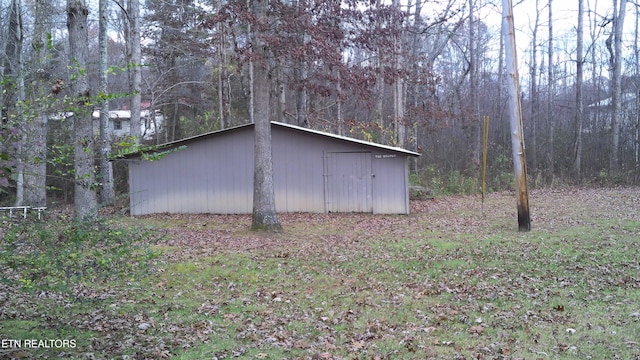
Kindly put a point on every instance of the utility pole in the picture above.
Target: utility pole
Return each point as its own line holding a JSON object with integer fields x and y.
{"x": 515, "y": 116}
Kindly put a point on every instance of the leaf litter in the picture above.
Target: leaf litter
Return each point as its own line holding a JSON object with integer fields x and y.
{"x": 447, "y": 281}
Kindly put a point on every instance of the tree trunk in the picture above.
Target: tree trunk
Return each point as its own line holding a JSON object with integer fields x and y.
{"x": 398, "y": 85}
{"x": 301, "y": 94}
{"x": 616, "y": 85}
{"x": 378, "y": 115}
{"x": 577, "y": 165}
{"x": 84, "y": 195}
{"x": 3, "y": 47}
{"x": 15, "y": 71}
{"x": 106, "y": 170}
{"x": 264, "y": 206}
{"x": 533, "y": 97}
{"x": 339, "y": 114}
{"x": 636, "y": 58}
{"x": 417, "y": 26}
{"x": 35, "y": 175}
{"x": 300, "y": 76}
{"x": 473, "y": 82}
{"x": 135, "y": 63}
{"x": 550, "y": 94}
{"x": 515, "y": 117}
{"x": 222, "y": 70}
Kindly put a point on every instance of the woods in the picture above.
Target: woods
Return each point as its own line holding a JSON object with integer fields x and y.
{"x": 419, "y": 75}
{"x": 146, "y": 146}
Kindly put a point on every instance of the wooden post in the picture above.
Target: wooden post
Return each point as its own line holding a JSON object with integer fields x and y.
{"x": 485, "y": 148}
{"x": 515, "y": 117}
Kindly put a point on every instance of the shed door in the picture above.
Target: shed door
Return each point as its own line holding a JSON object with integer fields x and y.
{"x": 348, "y": 182}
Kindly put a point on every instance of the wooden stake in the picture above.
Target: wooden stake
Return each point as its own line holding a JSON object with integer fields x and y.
{"x": 485, "y": 146}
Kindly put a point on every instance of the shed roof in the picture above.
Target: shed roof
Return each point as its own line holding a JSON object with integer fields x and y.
{"x": 188, "y": 140}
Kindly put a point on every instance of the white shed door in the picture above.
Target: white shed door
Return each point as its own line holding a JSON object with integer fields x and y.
{"x": 348, "y": 182}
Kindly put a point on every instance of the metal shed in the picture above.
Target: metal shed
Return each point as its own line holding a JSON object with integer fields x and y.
{"x": 314, "y": 171}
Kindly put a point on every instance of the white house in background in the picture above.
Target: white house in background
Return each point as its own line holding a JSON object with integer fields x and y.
{"x": 120, "y": 123}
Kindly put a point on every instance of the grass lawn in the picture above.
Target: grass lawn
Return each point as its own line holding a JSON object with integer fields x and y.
{"x": 449, "y": 281}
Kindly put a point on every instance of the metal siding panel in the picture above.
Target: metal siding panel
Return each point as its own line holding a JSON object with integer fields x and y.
{"x": 160, "y": 195}
{"x": 390, "y": 189}
{"x": 237, "y": 190}
{"x": 215, "y": 175}
{"x": 232, "y": 181}
{"x": 156, "y": 183}
{"x": 281, "y": 158}
{"x": 181, "y": 179}
{"x": 142, "y": 193}
{"x": 243, "y": 173}
{"x": 173, "y": 167}
{"x": 137, "y": 203}
{"x": 298, "y": 171}
{"x": 349, "y": 186}
{"x": 198, "y": 181}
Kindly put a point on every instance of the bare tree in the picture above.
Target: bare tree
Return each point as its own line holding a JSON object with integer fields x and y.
{"x": 615, "y": 53}
{"x": 221, "y": 72}
{"x": 473, "y": 82}
{"x": 84, "y": 195}
{"x": 3, "y": 45}
{"x": 533, "y": 92}
{"x": 106, "y": 170}
{"x": 579, "y": 96}
{"x": 135, "y": 63}
{"x": 636, "y": 59}
{"x": 300, "y": 76}
{"x": 399, "y": 125}
{"x": 14, "y": 71}
{"x": 35, "y": 174}
{"x": 550, "y": 94}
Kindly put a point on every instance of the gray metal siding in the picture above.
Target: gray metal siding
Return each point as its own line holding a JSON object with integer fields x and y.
{"x": 207, "y": 177}
{"x": 298, "y": 171}
{"x": 348, "y": 182}
{"x": 391, "y": 181}
{"x": 215, "y": 175}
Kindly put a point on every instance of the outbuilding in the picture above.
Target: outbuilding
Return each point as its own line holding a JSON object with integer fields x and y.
{"x": 314, "y": 171}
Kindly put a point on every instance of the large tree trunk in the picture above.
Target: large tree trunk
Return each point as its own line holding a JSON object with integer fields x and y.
{"x": 264, "y": 205}
{"x": 515, "y": 117}
{"x": 84, "y": 195}
{"x": 14, "y": 71}
{"x": 35, "y": 165}
{"x": 106, "y": 170}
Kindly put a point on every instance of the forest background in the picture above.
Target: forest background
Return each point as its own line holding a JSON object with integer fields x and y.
{"x": 420, "y": 75}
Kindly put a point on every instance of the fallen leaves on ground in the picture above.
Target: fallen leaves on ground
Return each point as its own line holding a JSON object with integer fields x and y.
{"x": 456, "y": 301}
